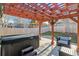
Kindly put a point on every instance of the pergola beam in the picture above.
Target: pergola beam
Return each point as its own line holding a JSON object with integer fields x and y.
{"x": 40, "y": 10}
{"x": 24, "y": 14}
{"x": 43, "y": 16}
{"x": 73, "y": 19}
{"x": 67, "y": 16}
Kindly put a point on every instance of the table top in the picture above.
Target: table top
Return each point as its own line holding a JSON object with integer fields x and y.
{"x": 68, "y": 50}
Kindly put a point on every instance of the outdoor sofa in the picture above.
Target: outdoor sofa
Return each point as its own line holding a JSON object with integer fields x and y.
{"x": 63, "y": 41}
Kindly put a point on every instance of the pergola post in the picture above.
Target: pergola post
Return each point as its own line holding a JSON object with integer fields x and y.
{"x": 52, "y": 34}
{"x": 40, "y": 24}
{"x": 78, "y": 36}
{"x": 52, "y": 29}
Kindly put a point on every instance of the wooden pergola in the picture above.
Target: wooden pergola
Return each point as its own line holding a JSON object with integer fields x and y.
{"x": 42, "y": 12}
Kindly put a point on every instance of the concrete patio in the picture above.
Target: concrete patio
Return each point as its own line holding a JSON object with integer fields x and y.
{"x": 46, "y": 49}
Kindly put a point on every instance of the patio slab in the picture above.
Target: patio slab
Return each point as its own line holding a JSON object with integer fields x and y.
{"x": 51, "y": 50}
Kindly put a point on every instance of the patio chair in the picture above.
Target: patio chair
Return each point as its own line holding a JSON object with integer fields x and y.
{"x": 63, "y": 41}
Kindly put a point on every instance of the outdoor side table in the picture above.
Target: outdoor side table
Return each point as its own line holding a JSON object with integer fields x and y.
{"x": 64, "y": 51}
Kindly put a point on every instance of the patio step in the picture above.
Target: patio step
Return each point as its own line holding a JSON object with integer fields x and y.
{"x": 28, "y": 51}
{"x": 33, "y": 53}
{"x": 40, "y": 50}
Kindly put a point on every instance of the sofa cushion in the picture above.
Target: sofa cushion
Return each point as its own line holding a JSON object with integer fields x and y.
{"x": 63, "y": 42}
{"x": 65, "y": 38}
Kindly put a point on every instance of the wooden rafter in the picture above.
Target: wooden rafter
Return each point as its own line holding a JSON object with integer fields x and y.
{"x": 23, "y": 13}
{"x": 68, "y": 16}
{"x": 43, "y": 12}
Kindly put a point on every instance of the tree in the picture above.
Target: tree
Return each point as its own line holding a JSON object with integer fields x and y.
{"x": 33, "y": 23}
{"x": 1, "y": 8}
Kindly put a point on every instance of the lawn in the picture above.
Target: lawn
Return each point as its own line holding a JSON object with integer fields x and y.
{"x": 73, "y": 35}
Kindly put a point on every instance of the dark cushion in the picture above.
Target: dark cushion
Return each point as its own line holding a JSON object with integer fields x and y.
{"x": 63, "y": 42}
{"x": 65, "y": 38}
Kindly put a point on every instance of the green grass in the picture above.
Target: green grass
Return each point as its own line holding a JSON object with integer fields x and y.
{"x": 56, "y": 34}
